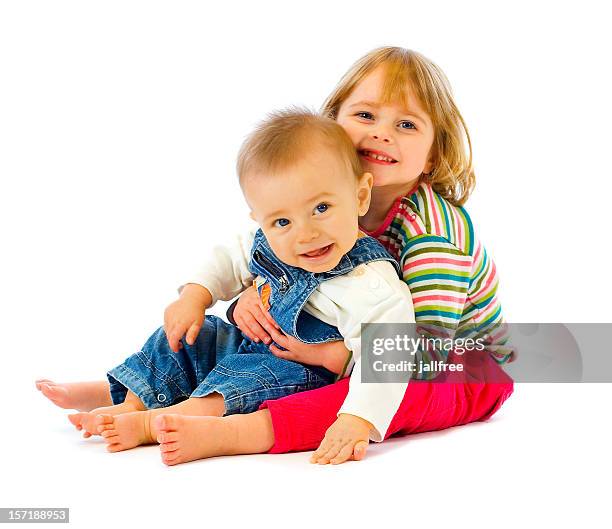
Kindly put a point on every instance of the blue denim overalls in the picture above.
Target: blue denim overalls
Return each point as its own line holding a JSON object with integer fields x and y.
{"x": 224, "y": 361}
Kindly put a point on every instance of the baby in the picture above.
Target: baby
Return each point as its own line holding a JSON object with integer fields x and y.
{"x": 319, "y": 277}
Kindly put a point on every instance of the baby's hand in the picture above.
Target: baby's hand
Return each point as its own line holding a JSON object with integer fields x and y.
{"x": 346, "y": 439}
{"x": 252, "y": 318}
{"x": 186, "y": 315}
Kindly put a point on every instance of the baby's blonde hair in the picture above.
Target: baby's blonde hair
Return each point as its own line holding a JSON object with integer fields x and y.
{"x": 453, "y": 176}
{"x": 287, "y": 137}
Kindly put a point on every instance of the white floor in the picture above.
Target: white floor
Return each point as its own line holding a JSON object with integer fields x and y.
{"x": 543, "y": 459}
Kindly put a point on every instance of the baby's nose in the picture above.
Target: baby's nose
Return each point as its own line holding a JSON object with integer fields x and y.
{"x": 308, "y": 233}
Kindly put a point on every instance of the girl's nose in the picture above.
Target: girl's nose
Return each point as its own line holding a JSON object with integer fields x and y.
{"x": 381, "y": 135}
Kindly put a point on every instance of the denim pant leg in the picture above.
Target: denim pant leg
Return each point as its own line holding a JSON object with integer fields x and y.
{"x": 161, "y": 377}
{"x": 247, "y": 379}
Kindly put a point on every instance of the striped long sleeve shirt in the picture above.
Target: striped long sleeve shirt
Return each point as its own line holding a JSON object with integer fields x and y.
{"x": 452, "y": 279}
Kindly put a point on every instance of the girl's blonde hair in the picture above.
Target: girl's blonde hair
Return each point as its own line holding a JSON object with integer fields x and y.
{"x": 453, "y": 176}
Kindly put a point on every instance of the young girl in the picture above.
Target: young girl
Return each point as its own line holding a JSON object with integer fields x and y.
{"x": 398, "y": 110}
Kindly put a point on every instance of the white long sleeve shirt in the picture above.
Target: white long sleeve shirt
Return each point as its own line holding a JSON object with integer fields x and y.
{"x": 371, "y": 292}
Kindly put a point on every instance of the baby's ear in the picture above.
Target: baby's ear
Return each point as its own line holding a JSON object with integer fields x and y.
{"x": 364, "y": 192}
{"x": 367, "y": 179}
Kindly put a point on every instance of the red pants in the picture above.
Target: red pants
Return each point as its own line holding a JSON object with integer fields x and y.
{"x": 301, "y": 420}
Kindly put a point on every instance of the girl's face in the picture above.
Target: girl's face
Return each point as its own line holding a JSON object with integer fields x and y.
{"x": 393, "y": 142}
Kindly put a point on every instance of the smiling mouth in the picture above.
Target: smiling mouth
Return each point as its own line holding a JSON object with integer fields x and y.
{"x": 377, "y": 157}
{"x": 318, "y": 253}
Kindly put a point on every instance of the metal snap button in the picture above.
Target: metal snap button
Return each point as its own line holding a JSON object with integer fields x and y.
{"x": 161, "y": 397}
{"x": 359, "y": 271}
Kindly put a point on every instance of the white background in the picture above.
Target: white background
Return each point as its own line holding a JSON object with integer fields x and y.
{"x": 119, "y": 126}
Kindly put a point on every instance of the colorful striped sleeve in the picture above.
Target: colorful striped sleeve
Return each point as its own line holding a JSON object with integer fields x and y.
{"x": 438, "y": 275}
{"x": 482, "y": 316}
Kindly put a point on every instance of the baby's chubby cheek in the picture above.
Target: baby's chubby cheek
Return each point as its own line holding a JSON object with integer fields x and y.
{"x": 282, "y": 250}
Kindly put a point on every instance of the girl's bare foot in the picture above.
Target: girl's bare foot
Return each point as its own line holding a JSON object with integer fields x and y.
{"x": 82, "y": 396}
{"x": 125, "y": 431}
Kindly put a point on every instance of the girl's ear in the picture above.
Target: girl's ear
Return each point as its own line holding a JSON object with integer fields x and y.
{"x": 364, "y": 193}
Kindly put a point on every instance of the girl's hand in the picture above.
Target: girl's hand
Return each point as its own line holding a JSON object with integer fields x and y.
{"x": 252, "y": 318}
{"x": 331, "y": 355}
{"x": 346, "y": 439}
{"x": 186, "y": 315}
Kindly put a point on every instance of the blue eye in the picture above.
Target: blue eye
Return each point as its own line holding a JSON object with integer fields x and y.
{"x": 322, "y": 208}
{"x": 281, "y": 223}
{"x": 412, "y": 126}
{"x": 364, "y": 115}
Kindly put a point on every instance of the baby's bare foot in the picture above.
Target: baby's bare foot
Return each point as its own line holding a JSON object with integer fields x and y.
{"x": 84, "y": 421}
{"x": 82, "y": 396}
{"x": 125, "y": 431}
{"x": 87, "y": 420}
{"x": 185, "y": 438}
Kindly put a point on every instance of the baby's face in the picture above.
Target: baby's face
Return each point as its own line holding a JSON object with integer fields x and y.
{"x": 309, "y": 213}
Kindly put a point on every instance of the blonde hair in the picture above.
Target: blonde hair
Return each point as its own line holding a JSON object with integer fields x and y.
{"x": 453, "y": 176}
{"x": 286, "y": 138}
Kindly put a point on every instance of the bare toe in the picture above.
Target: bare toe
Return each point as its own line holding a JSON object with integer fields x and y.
{"x": 101, "y": 428}
{"x": 167, "y": 422}
{"x": 77, "y": 419}
{"x": 103, "y": 419}
{"x": 108, "y": 434}
{"x": 167, "y": 437}
{"x": 171, "y": 458}
{"x": 53, "y": 393}
{"x": 169, "y": 447}
{"x": 39, "y": 382}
